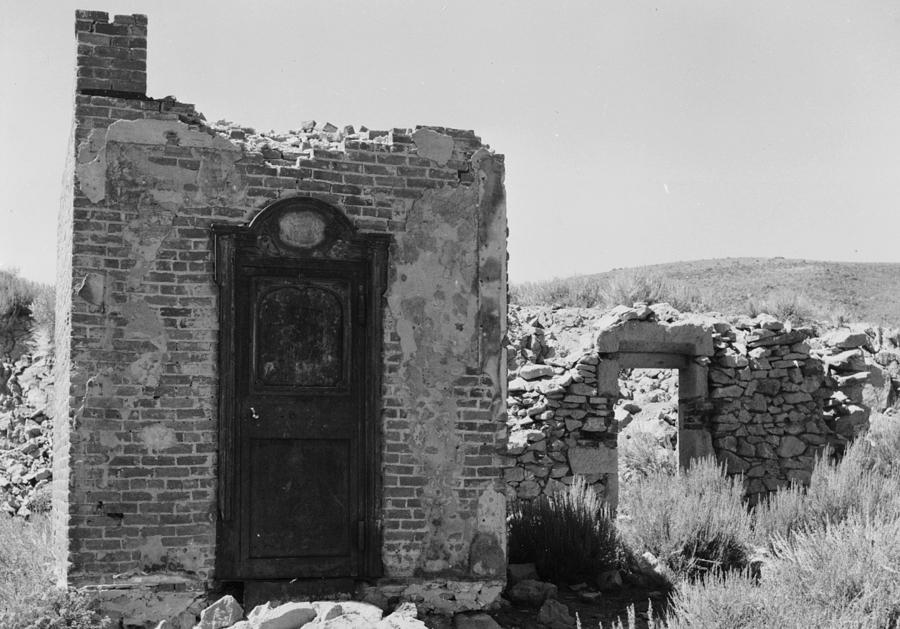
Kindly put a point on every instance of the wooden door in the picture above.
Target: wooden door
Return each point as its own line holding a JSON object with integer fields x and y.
{"x": 300, "y": 370}
{"x": 300, "y": 320}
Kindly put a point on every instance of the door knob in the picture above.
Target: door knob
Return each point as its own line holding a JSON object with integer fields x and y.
{"x": 253, "y": 414}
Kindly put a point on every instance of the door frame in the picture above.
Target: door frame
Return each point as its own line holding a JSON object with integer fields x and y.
{"x": 329, "y": 236}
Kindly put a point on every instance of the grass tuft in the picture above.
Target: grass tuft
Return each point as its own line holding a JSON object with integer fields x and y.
{"x": 28, "y": 597}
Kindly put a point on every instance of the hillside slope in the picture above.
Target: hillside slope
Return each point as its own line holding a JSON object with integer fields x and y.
{"x": 850, "y": 290}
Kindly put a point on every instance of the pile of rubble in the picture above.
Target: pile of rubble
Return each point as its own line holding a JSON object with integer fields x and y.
{"x": 227, "y": 613}
{"x": 25, "y": 434}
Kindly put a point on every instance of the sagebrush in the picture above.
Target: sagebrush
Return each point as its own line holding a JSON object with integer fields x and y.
{"x": 694, "y": 521}
{"x": 569, "y": 535}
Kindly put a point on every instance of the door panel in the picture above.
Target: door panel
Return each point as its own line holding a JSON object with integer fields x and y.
{"x": 300, "y": 498}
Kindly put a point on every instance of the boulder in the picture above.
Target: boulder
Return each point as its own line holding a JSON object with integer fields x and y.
{"x": 286, "y": 616}
{"x": 609, "y": 580}
{"x": 223, "y": 613}
{"x": 404, "y": 617}
{"x": 532, "y": 372}
{"x": 474, "y": 621}
{"x": 555, "y": 615}
{"x": 846, "y": 339}
{"x": 516, "y": 572}
{"x": 531, "y": 592}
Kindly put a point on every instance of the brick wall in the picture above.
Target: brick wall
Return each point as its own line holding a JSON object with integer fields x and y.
{"x": 111, "y": 56}
{"x": 141, "y": 435}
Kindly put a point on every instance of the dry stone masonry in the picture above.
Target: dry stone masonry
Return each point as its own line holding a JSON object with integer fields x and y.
{"x": 139, "y": 455}
{"x": 762, "y": 396}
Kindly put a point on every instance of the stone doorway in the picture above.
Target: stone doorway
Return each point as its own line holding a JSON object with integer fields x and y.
{"x": 685, "y": 348}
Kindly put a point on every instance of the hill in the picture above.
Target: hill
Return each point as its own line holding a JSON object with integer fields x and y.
{"x": 833, "y": 291}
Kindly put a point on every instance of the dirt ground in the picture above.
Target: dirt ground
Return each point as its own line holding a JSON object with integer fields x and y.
{"x": 606, "y": 609}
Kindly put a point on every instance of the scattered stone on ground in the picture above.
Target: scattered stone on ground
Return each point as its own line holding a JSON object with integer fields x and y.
{"x": 531, "y": 592}
{"x": 555, "y": 615}
{"x": 25, "y": 433}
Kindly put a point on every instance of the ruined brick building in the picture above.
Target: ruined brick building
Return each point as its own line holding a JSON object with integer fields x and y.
{"x": 278, "y": 359}
{"x": 282, "y": 362}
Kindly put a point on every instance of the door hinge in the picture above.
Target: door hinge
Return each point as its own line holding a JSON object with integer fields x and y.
{"x": 361, "y": 535}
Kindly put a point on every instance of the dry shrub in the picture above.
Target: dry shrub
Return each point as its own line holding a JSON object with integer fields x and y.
{"x": 836, "y": 575}
{"x": 28, "y": 597}
{"x": 569, "y": 535}
{"x": 573, "y": 292}
{"x": 693, "y": 522}
{"x": 16, "y": 293}
{"x": 864, "y": 482}
{"x": 641, "y": 455}
{"x": 624, "y": 288}
{"x": 629, "y": 287}
{"x": 784, "y": 306}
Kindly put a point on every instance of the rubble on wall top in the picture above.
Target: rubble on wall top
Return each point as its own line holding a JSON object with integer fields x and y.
{"x": 292, "y": 143}
{"x": 310, "y": 136}
{"x": 568, "y": 333}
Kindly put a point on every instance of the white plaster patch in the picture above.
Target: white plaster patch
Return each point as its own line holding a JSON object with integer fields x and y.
{"x": 93, "y": 289}
{"x": 492, "y": 512}
{"x": 161, "y": 132}
{"x": 407, "y": 337}
{"x": 90, "y": 169}
{"x": 433, "y": 145}
{"x": 157, "y": 437}
{"x": 152, "y": 552}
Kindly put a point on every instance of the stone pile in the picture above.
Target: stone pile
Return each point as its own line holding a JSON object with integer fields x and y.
{"x": 648, "y": 403}
{"x": 25, "y": 434}
{"x": 227, "y": 613}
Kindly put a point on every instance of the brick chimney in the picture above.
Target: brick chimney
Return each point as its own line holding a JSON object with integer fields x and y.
{"x": 112, "y": 57}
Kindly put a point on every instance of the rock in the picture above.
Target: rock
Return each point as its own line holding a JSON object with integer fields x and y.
{"x": 474, "y": 621}
{"x": 286, "y": 616}
{"x": 846, "y": 339}
{"x": 531, "y": 592}
{"x": 587, "y": 460}
{"x": 532, "y": 372}
{"x": 529, "y": 489}
{"x": 609, "y": 580}
{"x": 404, "y": 617}
{"x": 848, "y": 360}
{"x": 590, "y": 597}
{"x": 791, "y": 447}
{"x": 362, "y": 612}
{"x": 555, "y": 615}
{"x": 223, "y": 613}
{"x": 516, "y": 572}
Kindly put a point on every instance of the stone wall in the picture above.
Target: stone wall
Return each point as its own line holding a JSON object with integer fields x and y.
{"x": 136, "y": 452}
{"x": 762, "y": 396}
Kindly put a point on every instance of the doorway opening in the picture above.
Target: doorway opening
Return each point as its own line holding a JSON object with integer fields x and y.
{"x": 646, "y": 416}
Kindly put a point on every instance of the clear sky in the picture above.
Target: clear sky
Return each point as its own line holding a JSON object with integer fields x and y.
{"x": 635, "y": 132}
